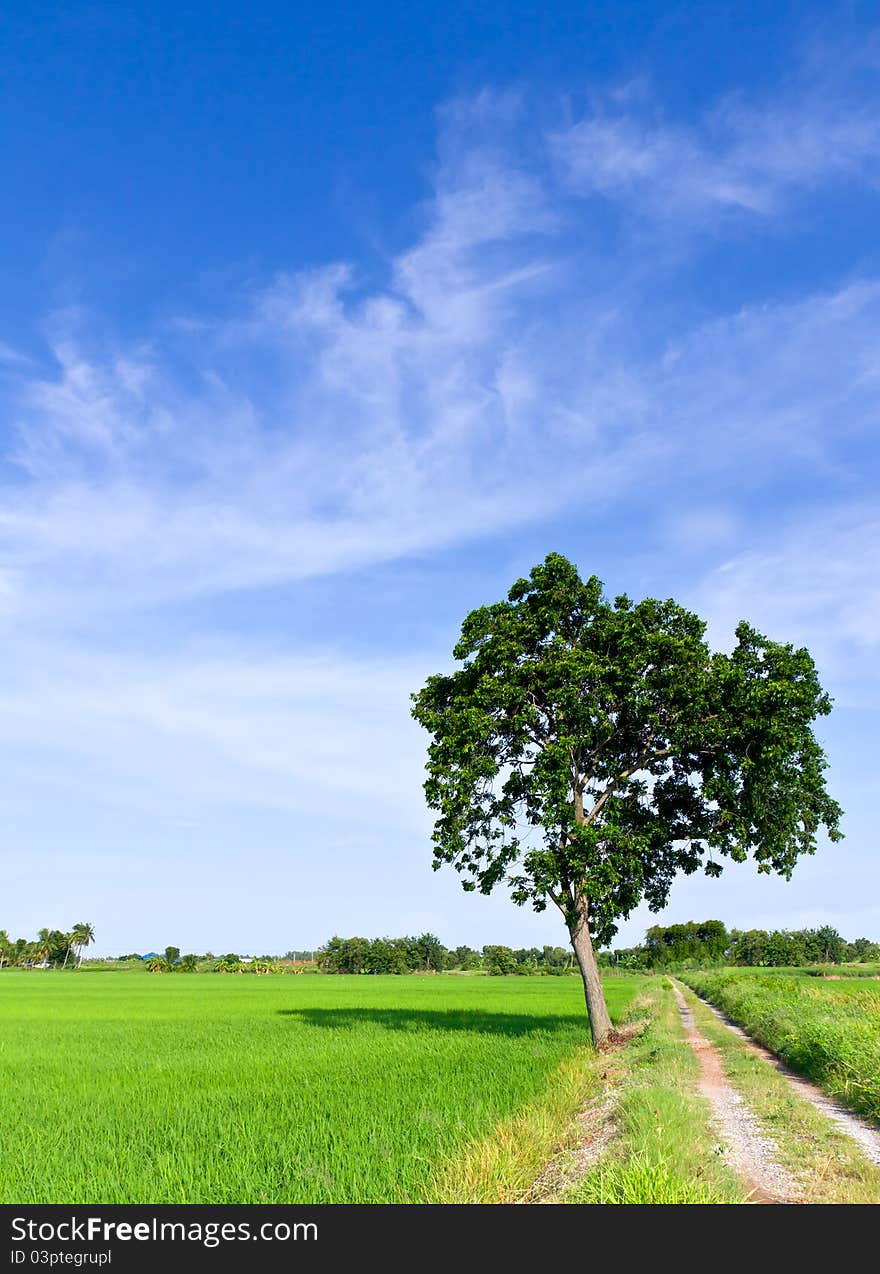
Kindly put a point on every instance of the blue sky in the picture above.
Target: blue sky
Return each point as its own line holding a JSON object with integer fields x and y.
{"x": 321, "y": 325}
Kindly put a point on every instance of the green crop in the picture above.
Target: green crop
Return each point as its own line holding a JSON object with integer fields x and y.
{"x": 122, "y": 1088}
{"x": 827, "y": 1030}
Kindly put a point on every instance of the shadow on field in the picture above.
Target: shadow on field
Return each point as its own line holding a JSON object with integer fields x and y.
{"x": 436, "y": 1020}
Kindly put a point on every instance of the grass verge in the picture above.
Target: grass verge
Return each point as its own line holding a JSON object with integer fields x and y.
{"x": 666, "y": 1150}
{"x": 824, "y": 1161}
{"x": 826, "y": 1030}
{"x": 523, "y": 1155}
{"x": 504, "y": 1166}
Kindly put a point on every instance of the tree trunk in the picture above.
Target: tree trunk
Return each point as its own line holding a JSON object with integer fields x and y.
{"x": 600, "y": 1022}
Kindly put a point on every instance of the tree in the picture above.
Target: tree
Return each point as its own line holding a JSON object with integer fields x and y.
{"x": 701, "y": 943}
{"x": 172, "y": 954}
{"x": 625, "y": 958}
{"x": 83, "y": 936}
{"x": 863, "y": 949}
{"x": 556, "y": 957}
{"x": 43, "y": 946}
{"x": 827, "y": 946}
{"x": 428, "y": 951}
{"x": 785, "y": 950}
{"x": 750, "y": 947}
{"x": 587, "y": 751}
{"x": 465, "y": 958}
{"x": 344, "y": 955}
{"x": 499, "y": 960}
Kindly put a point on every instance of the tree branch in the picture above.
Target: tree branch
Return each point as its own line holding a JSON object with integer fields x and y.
{"x": 644, "y": 758}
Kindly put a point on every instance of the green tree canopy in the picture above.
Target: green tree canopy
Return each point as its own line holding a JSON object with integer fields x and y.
{"x": 704, "y": 942}
{"x": 586, "y": 751}
{"x": 498, "y": 960}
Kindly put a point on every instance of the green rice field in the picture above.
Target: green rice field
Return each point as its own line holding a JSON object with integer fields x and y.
{"x": 121, "y": 1087}
{"x": 826, "y": 1028}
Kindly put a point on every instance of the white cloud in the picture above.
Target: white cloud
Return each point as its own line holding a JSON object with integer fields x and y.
{"x": 816, "y": 584}
{"x": 739, "y": 156}
{"x": 780, "y": 387}
{"x": 324, "y": 430}
{"x": 12, "y": 356}
{"x": 390, "y": 435}
{"x": 314, "y": 733}
{"x": 336, "y": 423}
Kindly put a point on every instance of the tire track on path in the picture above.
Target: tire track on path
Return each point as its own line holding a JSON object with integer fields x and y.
{"x": 751, "y": 1154}
{"x": 866, "y": 1135}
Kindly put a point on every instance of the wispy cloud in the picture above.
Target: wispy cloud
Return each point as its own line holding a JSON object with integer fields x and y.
{"x": 336, "y": 423}
{"x": 742, "y": 155}
{"x": 818, "y": 584}
{"x": 389, "y": 428}
{"x": 202, "y": 729}
{"x": 12, "y": 357}
{"x": 326, "y": 428}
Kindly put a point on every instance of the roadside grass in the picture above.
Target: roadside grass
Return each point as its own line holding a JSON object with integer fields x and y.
{"x": 665, "y": 1150}
{"x": 824, "y": 1161}
{"x": 504, "y": 1166}
{"x": 126, "y": 1088}
{"x": 826, "y": 972}
{"x": 835, "y": 972}
{"x": 827, "y": 1030}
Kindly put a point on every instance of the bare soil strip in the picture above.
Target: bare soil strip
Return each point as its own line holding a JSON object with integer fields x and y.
{"x": 751, "y": 1154}
{"x": 595, "y": 1131}
{"x": 865, "y": 1134}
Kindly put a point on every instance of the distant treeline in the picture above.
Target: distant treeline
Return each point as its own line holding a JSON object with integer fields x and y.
{"x": 709, "y": 942}
{"x": 697, "y": 943}
{"x": 426, "y": 954}
{"x": 50, "y": 948}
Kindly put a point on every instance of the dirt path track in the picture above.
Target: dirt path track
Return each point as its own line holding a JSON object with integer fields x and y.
{"x": 866, "y": 1135}
{"x": 751, "y": 1154}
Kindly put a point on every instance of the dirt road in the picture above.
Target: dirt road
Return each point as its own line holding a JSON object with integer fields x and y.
{"x": 750, "y": 1153}
{"x": 866, "y": 1135}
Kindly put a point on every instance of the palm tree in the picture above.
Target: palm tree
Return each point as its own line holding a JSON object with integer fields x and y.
{"x": 83, "y": 936}
{"x": 69, "y": 939}
{"x": 156, "y": 964}
{"x": 229, "y": 963}
{"x": 41, "y": 946}
{"x": 188, "y": 964}
{"x": 57, "y": 944}
{"x": 5, "y": 946}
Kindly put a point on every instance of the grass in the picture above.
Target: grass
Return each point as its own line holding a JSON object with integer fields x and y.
{"x": 503, "y": 1166}
{"x": 837, "y": 971}
{"x": 124, "y": 1088}
{"x": 665, "y": 1150}
{"x": 826, "y": 1030}
{"x": 828, "y": 1165}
